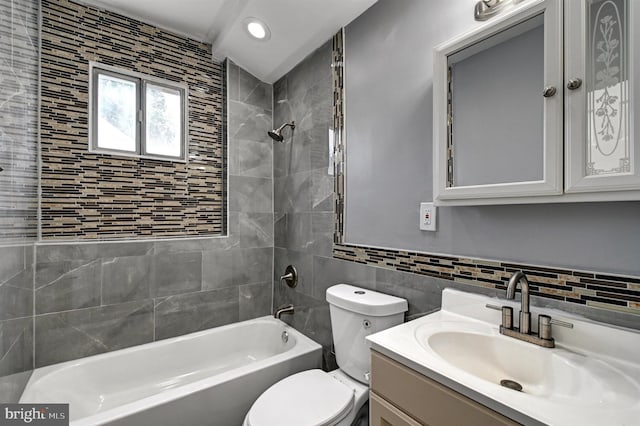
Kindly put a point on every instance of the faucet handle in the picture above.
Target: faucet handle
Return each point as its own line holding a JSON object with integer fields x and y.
{"x": 544, "y": 326}
{"x": 507, "y": 314}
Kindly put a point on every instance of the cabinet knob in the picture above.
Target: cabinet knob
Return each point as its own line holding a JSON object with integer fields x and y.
{"x": 574, "y": 83}
{"x": 549, "y": 91}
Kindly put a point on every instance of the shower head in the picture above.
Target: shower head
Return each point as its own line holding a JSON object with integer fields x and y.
{"x": 276, "y": 134}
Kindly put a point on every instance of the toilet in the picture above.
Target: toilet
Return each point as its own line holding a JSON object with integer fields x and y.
{"x": 337, "y": 398}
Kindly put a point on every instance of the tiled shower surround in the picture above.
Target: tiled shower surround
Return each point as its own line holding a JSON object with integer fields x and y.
{"x": 18, "y": 189}
{"x": 97, "y": 297}
{"x": 87, "y": 195}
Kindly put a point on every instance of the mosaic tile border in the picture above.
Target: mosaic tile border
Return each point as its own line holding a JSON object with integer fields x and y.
{"x": 598, "y": 290}
{"x": 337, "y": 77}
{"x": 593, "y": 289}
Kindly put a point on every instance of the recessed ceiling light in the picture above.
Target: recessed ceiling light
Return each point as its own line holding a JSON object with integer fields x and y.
{"x": 257, "y": 29}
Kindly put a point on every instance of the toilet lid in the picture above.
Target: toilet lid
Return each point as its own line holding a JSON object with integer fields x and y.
{"x": 310, "y": 398}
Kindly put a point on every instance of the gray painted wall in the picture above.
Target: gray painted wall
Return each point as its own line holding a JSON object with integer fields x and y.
{"x": 18, "y": 182}
{"x": 389, "y": 159}
{"x": 304, "y": 217}
{"x": 98, "y": 297}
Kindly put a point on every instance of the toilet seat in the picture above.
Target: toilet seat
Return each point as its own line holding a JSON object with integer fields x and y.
{"x": 310, "y": 398}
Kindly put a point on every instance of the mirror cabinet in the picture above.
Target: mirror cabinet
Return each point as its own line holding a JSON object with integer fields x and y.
{"x": 539, "y": 105}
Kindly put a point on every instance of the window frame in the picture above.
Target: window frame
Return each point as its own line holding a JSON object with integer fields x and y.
{"x": 95, "y": 70}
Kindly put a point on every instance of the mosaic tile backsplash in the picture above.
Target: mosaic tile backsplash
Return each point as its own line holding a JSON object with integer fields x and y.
{"x": 93, "y": 196}
{"x": 613, "y": 292}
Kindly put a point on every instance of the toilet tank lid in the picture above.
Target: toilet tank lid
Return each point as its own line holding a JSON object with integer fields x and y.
{"x": 363, "y": 301}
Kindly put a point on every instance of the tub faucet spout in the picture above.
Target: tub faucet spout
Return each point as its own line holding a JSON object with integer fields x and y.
{"x": 286, "y": 309}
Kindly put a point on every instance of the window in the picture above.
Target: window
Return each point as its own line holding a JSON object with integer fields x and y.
{"x": 137, "y": 115}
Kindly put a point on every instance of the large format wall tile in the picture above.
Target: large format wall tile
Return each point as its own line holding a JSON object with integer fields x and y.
{"x": 255, "y": 300}
{"x": 177, "y": 273}
{"x": 73, "y": 334}
{"x": 125, "y": 279}
{"x": 177, "y": 315}
{"x": 67, "y": 285}
{"x": 16, "y": 346}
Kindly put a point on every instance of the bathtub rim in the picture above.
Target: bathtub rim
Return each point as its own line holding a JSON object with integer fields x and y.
{"x": 304, "y": 345}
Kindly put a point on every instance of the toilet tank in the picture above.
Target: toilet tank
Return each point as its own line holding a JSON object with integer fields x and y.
{"x": 355, "y": 314}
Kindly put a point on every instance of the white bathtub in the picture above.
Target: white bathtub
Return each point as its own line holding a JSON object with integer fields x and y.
{"x": 206, "y": 378}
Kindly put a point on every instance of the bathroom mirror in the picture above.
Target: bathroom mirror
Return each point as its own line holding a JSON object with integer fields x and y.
{"x": 497, "y": 109}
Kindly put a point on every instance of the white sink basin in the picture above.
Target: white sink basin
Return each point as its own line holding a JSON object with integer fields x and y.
{"x": 592, "y": 377}
{"x": 557, "y": 374}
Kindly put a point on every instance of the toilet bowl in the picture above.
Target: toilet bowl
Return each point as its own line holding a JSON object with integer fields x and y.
{"x": 312, "y": 397}
{"x": 339, "y": 397}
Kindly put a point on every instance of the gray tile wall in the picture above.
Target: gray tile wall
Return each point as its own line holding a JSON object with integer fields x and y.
{"x": 97, "y": 297}
{"x": 18, "y": 183}
{"x": 304, "y": 218}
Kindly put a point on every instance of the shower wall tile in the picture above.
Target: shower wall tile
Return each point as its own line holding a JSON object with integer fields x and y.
{"x": 251, "y": 158}
{"x": 16, "y": 346}
{"x": 252, "y": 265}
{"x": 252, "y": 91}
{"x": 217, "y": 269}
{"x": 16, "y": 295}
{"x": 12, "y": 386}
{"x": 255, "y": 300}
{"x": 126, "y": 279}
{"x": 67, "y": 285}
{"x": 248, "y": 122}
{"x": 253, "y": 229}
{"x": 293, "y": 193}
{"x": 177, "y": 273}
{"x": 298, "y": 234}
{"x": 303, "y": 263}
{"x": 49, "y": 253}
{"x": 187, "y": 313}
{"x": 155, "y": 289}
{"x": 250, "y": 194}
{"x": 74, "y": 334}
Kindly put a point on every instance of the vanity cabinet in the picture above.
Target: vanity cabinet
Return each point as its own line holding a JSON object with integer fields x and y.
{"x": 402, "y": 397}
{"x": 539, "y": 105}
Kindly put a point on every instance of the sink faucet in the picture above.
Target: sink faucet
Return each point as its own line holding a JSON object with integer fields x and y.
{"x": 525, "y": 316}
{"x": 286, "y": 309}
{"x": 543, "y": 338}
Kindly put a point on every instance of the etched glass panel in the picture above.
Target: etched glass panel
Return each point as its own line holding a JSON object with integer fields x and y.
{"x": 607, "y": 88}
{"x": 117, "y": 113}
{"x": 163, "y": 121}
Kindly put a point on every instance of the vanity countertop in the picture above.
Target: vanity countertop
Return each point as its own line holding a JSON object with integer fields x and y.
{"x": 591, "y": 377}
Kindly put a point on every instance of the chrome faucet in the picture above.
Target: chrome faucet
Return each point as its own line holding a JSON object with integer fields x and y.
{"x": 525, "y": 316}
{"x": 543, "y": 338}
{"x": 286, "y": 309}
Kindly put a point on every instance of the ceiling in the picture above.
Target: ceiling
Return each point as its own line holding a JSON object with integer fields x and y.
{"x": 297, "y": 26}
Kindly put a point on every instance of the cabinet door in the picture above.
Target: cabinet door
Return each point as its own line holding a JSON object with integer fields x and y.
{"x": 602, "y": 95}
{"x": 498, "y": 103}
{"x": 385, "y": 414}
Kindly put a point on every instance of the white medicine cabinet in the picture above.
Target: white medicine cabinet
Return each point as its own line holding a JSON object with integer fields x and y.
{"x": 539, "y": 105}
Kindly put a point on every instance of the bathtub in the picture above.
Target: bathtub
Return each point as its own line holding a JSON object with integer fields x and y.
{"x": 206, "y": 378}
